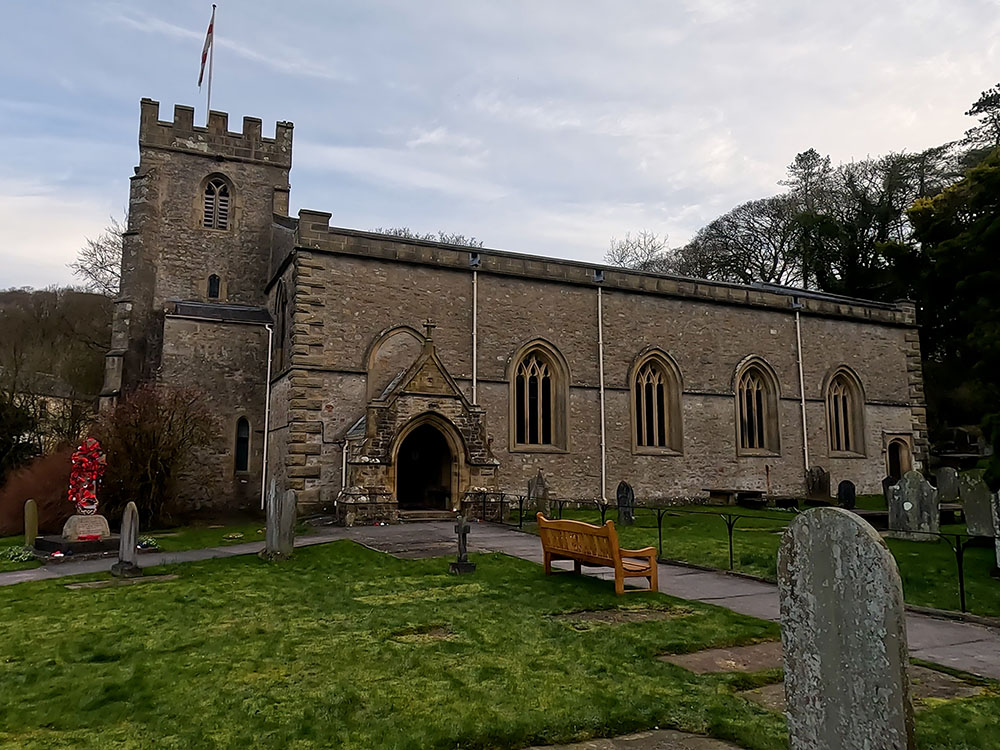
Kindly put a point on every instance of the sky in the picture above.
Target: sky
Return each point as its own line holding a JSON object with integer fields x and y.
{"x": 538, "y": 127}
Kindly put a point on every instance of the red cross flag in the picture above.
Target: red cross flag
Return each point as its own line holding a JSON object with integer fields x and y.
{"x": 207, "y": 48}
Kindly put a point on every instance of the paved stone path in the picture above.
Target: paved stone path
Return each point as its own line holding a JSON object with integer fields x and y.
{"x": 960, "y": 645}
{"x": 659, "y": 739}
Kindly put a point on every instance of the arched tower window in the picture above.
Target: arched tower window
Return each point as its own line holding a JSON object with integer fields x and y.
{"x": 242, "y": 447}
{"x": 280, "y": 314}
{"x": 757, "y": 411}
{"x": 214, "y": 285}
{"x": 216, "y": 213}
{"x": 538, "y": 400}
{"x": 656, "y": 415}
{"x": 845, "y": 414}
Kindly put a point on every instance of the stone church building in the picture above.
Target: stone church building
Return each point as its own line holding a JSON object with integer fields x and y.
{"x": 390, "y": 374}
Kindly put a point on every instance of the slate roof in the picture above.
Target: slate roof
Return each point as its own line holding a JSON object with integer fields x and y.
{"x": 222, "y": 312}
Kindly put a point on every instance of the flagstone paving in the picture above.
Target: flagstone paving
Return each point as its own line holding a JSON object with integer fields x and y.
{"x": 660, "y": 739}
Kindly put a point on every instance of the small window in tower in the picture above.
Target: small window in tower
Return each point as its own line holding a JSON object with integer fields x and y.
{"x": 242, "y": 462}
{"x": 216, "y": 215}
{"x": 213, "y": 286}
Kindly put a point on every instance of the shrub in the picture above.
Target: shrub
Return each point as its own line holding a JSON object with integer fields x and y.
{"x": 46, "y": 479}
{"x": 149, "y": 438}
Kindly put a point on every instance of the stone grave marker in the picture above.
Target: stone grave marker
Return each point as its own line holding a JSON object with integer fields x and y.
{"x": 843, "y": 636}
{"x": 128, "y": 544}
{"x": 996, "y": 525}
{"x": 977, "y": 503}
{"x": 913, "y": 508}
{"x": 626, "y": 503}
{"x": 279, "y": 536}
{"x": 30, "y": 522}
{"x": 81, "y": 527}
{"x": 538, "y": 494}
{"x": 818, "y": 484}
{"x": 887, "y": 484}
{"x": 462, "y": 564}
{"x": 947, "y": 485}
{"x": 847, "y": 495}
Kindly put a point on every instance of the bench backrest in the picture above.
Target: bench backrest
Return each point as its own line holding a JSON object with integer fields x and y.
{"x": 582, "y": 541}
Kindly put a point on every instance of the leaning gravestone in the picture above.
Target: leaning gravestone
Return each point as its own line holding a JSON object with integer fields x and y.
{"x": 626, "y": 504}
{"x": 279, "y": 537}
{"x": 30, "y": 522}
{"x": 913, "y": 509}
{"x": 947, "y": 485}
{"x": 128, "y": 543}
{"x": 847, "y": 495}
{"x": 843, "y": 636}
{"x": 977, "y": 503}
{"x": 818, "y": 484}
{"x": 538, "y": 494}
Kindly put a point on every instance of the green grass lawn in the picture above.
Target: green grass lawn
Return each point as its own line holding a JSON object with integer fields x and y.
{"x": 928, "y": 569}
{"x": 344, "y": 647}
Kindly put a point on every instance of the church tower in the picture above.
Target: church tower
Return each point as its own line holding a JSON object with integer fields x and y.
{"x": 196, "y": 260}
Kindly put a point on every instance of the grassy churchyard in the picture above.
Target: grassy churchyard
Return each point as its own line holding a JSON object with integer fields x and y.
{"x": 928, "y": 569}
{"x": 350, "y": 648}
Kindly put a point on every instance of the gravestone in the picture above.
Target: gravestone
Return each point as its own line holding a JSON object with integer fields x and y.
{"x": 279, "y": 536}
{"x": 913, "y": 508}
{"x": 843, "y": 636}
{"x": 996, "y": 525}
{"x": 977, "y": 503}
{"x": 128, "y": 543}
{"x": 847, "y": 495}
{"x": 887, "y": 484}
{"x": 626, "y": 504}
{"x": 947, "y": 485}
{"x": 30, "y": 522}
{"x": 80, "y": 527}
{"x": 818, "y": 484}
{"x": 462, "y": 564}
{"x": 538, "y": 494}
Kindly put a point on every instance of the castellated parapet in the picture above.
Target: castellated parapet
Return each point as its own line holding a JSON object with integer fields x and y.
{"x": 215, "y": 139}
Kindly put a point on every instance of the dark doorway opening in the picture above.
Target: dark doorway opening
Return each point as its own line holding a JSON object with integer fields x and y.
{"x": 423, "y": 471}
{"x": 899, "y": 459}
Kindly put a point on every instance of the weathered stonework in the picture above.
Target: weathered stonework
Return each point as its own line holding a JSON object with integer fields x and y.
{"x": 348, "y": 309}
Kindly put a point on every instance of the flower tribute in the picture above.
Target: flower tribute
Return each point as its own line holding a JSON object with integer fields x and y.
{"x": 88, "y": 467}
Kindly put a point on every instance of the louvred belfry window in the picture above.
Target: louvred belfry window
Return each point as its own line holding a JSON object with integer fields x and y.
{"x": 216, "y": 215}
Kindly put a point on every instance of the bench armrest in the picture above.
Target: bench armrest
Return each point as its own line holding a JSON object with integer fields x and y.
{"x": 649, "y": 552}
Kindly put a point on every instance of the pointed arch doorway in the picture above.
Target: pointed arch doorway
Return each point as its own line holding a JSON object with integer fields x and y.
{"x": 425, "y": 472}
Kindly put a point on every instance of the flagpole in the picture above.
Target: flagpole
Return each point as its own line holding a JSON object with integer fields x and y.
{"x": 211, "y": 60}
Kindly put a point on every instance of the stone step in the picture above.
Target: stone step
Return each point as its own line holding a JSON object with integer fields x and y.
{"x": 412, "y": 516}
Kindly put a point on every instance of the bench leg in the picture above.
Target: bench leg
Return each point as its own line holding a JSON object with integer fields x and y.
{"x": 577, "y": 567}
{"x": 654, "y": 579}
{"x": 547, "y": 560}
{"x": 619, "y": 584}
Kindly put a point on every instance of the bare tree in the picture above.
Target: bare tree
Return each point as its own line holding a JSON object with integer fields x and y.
{"x": 99, "y": 262}
{"x": 754, "y": 242}
{"x": 643, "y": 251}
{"x": 447, "y": 238}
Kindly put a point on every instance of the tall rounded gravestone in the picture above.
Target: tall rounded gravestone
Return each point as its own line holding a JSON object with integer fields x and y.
{"x": 843, "y": 636}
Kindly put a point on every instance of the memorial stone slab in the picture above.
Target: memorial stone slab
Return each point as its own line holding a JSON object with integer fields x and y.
{"x": 279, "y": 531}
{"x": 843, "y": 636}
{"x": 128, "y": 543}
{"x": 847, "y": 495}
{"x": 538, "y": 494}
{"x": 947, "y": 485}
{"x": 913, "y": 509}
{"x": 81, "y": 527}
{"x": 626, "y": 503}
{"x": 977, "y": 503}
{"x": 30, "y": 522}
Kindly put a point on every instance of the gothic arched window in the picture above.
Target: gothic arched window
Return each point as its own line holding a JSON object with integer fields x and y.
{"x": 538, "y": 400}
{"x": 845, "y": 414}
{"x": 757, "y": 411}
{"x": 216, "y": 204}
{"x": 242, "y": 447}
{"x": 656, "y": 415}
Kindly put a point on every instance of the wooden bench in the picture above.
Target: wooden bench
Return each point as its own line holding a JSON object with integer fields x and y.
{"x": 586, "y": 544}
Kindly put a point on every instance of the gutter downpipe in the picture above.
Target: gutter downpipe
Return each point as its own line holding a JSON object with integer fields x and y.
{"x": 267, "y": 416}
{"x": 600, "y": 361}
{"x": 802, "y": 387}
{"x": 475, "y": 332}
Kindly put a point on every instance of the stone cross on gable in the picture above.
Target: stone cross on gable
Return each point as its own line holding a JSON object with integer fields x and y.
{"x": 429, "y": 326}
